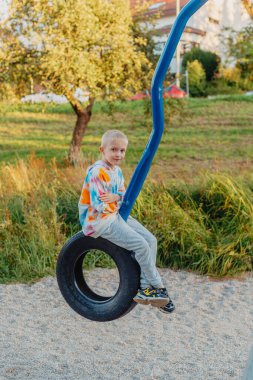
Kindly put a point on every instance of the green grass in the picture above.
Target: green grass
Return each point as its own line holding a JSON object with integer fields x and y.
{"x": 209, "y": 134}
{"x": 206, "y": 228}
{"x": 197, "y": 199}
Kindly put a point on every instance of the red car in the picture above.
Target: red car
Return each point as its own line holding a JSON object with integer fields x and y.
{"x": 140, "y": 95}
{"x": 173, "y": 92}
{"x": 168, "y": 92}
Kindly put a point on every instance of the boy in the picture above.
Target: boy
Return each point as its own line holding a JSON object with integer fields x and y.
{"x": 102, "y": 195}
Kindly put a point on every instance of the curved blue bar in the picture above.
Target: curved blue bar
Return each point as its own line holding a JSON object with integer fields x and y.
{"x": 143, "y": 166}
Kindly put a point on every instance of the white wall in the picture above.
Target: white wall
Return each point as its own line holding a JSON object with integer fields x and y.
{"x": 228, "y": 13}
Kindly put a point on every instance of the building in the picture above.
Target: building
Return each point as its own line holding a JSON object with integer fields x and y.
{"x": 205, "y": 28}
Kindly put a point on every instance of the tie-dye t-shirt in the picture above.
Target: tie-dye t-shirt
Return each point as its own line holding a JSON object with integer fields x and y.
{"x": 95, "y": 216}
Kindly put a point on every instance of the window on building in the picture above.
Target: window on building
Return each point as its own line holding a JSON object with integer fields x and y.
{"x": 213, "y": 20}
{"x": 188, "y": 45}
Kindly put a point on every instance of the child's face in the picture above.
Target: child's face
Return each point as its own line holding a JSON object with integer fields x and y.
{"x": 114, "y": 151}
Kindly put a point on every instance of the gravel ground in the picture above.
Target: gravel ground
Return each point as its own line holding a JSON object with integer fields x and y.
{"x": 208, "y": 336}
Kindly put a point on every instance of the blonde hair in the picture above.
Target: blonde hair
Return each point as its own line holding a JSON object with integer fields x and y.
{"x": 112, "y": 134}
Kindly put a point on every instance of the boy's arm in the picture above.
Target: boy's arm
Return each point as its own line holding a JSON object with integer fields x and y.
{"x": 110, "y": 197}
{"x": 97, "y": 189}
{"x": 121, "y": 190}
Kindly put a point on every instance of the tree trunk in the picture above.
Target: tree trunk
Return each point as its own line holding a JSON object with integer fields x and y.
{"x": 75, "y": 155}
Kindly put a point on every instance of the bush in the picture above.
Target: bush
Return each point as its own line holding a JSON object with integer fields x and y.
{"x": 196, "y": 73}
{"x": 210, "y": 61}
{"x": 229, "y": 81}
{"x": 174, "y": 108}
{"x": 197, "y": 79}
{"x": 221, "y": 87}
{"x": 246, "y": 84}
{"x": 231, "y": 75}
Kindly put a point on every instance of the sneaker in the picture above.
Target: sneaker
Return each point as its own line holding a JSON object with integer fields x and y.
{"x": 153, "y": 296}
{"x": 168, "y": 308}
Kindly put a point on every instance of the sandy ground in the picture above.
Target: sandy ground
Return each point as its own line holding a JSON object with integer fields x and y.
{"x": 209, "y": 336}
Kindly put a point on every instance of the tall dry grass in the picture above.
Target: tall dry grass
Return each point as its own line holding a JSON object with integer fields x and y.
{"x": 31, "y": 231}
{"x": 208, "y": 229}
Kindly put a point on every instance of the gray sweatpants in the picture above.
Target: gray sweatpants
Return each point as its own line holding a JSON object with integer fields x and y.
{"x": 132, "y": 236}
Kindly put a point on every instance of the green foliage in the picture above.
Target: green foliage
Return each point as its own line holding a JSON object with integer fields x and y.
{"x": 67, "y": 197}
{"x": 98, "y": 259}
{"x": 232, "y": 75}
{"x": 240, "y": 47}
{"x": 207, "y": 229}
{"x": 143, "y": 30}
{"x": 7, "y": 92}
{"x": 30, "y": 235}
{"x": 197, "y": 79}
{"x": 210, "y": 61}
{"x": 73, "y": 44}
{"x": 173, "y": 109}
{"x": 196, "y": 72}
{"x": 246, "y": 84}
{"x": 232, "y": 78}
{"x": 222, "y": 87}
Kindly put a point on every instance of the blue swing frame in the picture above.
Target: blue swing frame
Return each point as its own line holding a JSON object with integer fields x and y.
{"x": 143, "y": 166}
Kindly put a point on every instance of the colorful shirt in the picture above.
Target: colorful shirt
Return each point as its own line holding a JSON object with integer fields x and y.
{"x": 95, "y": 216}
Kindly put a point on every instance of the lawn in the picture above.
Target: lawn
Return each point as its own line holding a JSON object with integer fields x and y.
{"x": 202, "y": 220}
{"x": 214, "y": 135}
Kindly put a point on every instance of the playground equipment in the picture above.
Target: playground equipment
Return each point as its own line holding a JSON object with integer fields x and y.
{"x": 70, "y": 275}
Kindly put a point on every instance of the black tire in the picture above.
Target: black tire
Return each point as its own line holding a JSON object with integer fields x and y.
{"x": 75, "y": 289}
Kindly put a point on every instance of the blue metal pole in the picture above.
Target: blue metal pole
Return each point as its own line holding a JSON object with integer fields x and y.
{"x": 143, "y": 166}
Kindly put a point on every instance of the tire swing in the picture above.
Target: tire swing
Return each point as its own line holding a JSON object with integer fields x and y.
{"x": 69, "y": 271}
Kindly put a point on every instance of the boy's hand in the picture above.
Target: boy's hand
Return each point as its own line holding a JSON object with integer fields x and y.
{"x": 109, "y": 197}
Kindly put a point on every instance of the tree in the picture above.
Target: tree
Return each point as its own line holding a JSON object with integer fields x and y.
{"x": 196, "y": 72}
{"x": 231, "y": 75}
{"x": 249, "y": 7}
{"x": 210, "y": 61}
{"x": 240, "y": 48}
{"x": 15, "y": 72}
{"x": 197, "y": 78}
{"x": 144, "y": 27}
{"x": 71, "y": 44}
